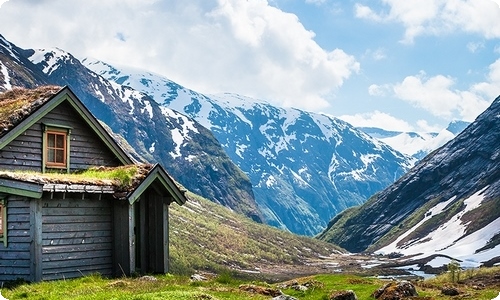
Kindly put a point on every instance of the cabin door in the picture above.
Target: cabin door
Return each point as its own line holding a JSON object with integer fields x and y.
{"x": 151, "y": 234}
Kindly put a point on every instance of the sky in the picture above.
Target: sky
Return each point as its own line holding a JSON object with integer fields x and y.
{"x": 412, "y": 65}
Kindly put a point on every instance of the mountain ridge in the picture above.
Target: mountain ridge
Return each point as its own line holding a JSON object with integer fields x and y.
{"x": 304, "y": 167}
{"x": 456, "y": 186}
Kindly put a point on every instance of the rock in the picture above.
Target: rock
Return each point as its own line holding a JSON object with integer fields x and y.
{"x": 343, "y": 295}
{"x": 284, "y": 297}
{"x": 300, "y": 287}
{"x": 450, "y": 291}
{"x": 148, "y": 278}
{"x": 255, "y": 289}
{"x": 198, "y": 277}
{"x": 395, "y": 291}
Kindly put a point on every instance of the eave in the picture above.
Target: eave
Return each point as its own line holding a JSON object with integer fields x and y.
{"x": 158, "y": 176}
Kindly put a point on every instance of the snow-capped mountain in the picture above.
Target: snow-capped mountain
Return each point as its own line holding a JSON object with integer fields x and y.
{"x": 416, "y": 144}
{"x": 304, "y": 167}
{"x": 448, "y": 204}
{"x": 188, "y": 151}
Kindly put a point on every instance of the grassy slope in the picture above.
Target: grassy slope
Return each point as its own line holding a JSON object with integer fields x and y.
{"x": 208, "y": 236}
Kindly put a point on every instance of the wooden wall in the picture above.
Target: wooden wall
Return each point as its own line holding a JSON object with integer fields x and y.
{"x": 25, "y": 152}
{"x": 76, "y": 238}
{"x": 15, "y": 259}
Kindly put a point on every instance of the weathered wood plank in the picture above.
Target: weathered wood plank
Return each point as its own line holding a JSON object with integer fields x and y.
{"x": 56, "y": 212}
{"x": 14, "y": 263}
{"x": 75, "y": 241}
{"x": 63, "y": 257}
{"x": 70, "y": 235}
{"x": 71, "y": 202}
{"x": 19, "y": 202}
{"x": 19, "y": 240}
{"x": 71, "y": 264}
{"x": 76, "y": 227}
{"x": 61, "y": 219}
{"x": 22, "y": 149}
{"x": 15, "y": 255}
{"x": 13, "y": 273}
{"x": 18, "y": 214}
{"x": 88, "y": 249}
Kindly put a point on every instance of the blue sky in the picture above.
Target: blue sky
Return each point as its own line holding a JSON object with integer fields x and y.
{"x": 400, "y": 65}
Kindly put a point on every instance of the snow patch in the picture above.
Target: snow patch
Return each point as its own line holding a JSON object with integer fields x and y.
{"x": 270, "y": 181}
{"x": 5, "y": 72}
{"x": 51, "y": 59}
{"x": 152, "y": 147}
{"x": 450, "y": 238}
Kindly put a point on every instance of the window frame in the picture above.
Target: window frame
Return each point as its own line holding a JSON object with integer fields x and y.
{"x": 56, "y": 130}
{"x": 3, "y": 221}
{"x": 55, "y": 149}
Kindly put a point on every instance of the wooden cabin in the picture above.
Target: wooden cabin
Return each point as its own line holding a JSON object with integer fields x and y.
{"x": 56, "y": 222}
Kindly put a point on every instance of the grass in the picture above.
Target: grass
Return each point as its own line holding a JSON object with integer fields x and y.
{"x": 208, "y": 236}
{"x": 226, "y": 287}
{"x": 118, "y": 176}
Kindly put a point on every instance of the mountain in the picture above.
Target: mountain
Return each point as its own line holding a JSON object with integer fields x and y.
{"x": 304, "y": 167}
{"x": 416, "y": 144}
{"x": 16, "y": 69}
{"x": 449, "y": 203}
{"x": 190, "y": 152}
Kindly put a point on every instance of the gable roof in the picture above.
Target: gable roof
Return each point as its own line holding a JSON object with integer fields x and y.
{"x": 143, "y": 176}
{"x": 20, "y": 108}
{"x": 158, "y": 177}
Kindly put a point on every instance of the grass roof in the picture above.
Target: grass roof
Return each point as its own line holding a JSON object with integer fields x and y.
{"x": 18, "y": 103}
{"x": 122, "y": 178}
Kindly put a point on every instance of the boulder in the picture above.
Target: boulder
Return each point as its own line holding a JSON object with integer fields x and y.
{"x": 396, "y": 290}
{"x": 262, "y": 290}
{"x": 450, "y": 291}
{"x": 343, "y": 295}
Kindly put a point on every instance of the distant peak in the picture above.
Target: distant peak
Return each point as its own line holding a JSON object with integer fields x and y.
{"x": 457, "y": 126}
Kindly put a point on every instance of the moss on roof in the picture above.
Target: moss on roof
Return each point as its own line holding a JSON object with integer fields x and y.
{"x": 18, "y": 103}
{"x": 122, "y": 178}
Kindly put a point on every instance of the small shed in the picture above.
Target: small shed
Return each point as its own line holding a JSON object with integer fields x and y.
{"x": 72, "y": 201}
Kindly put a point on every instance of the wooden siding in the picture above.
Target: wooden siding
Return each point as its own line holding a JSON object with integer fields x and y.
{"x": 15, "y": 259}
{"x": 86, "y": 148}
{"x": 76, "y": 237}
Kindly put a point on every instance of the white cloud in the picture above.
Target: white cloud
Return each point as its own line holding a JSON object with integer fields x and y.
{"x": 211, "y": 46}
{"x": 379, "y": 90}
{"x": 435, "y": 17}
{"x": 378, "y": 54}
{"x": 377, "y": 119}
{"x": 490, "y": 89}
{"x": 424, "y": 126}
{"x": 475, "y": 47}
{"x": 438, "y": 96}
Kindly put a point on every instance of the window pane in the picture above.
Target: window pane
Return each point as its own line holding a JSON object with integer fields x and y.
{"x": 51, "y": 140}
{"x": 59, "y": 141}
{"x": 51, "y": 156}
{"x": 59, "y": 156}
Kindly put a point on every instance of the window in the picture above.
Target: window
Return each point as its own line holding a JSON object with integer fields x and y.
{"x": 56, "y": 149}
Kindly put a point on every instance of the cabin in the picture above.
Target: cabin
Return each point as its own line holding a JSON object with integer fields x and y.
{"x": 72, "y": 201}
